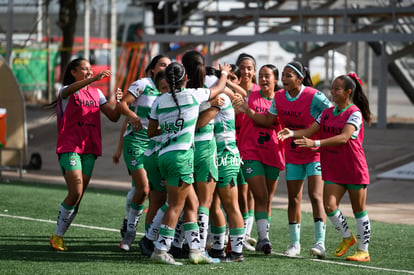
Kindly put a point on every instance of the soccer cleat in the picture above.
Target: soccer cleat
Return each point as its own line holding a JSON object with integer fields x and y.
{"x": 147, "y": 246}
{"x": 162, "y": 257}
{"x": 251, "y": 240}
{"x": 198, "y": 257}
{"x": 265, "y": 246}
{"x": 247, "y": 246}
{"x": 318, "y": 250}
{"x": 359, "y": 256}
{"x": 124, "y": 227}
{"x": 292, "y": 250}
{"x": 57, "y": 243}
{"x": 178, "y": 253}
{"x": 213, "y": 260}
{"x": 233, "y": 257}
{"x": 127, "y": 241}
{"x": 217, "y": 253}
{"x": 344, "y": 245}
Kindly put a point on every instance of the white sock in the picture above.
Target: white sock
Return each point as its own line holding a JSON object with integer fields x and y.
{"x": 128, "y": 200}
{"x": 154, "y": 228}
{"x": 249, "y": 225}
{"x": 133, "y": 219}
{"x": 263, "y": 228}
{"x": 71, "y": 218}
{"x": 165, "y": 238}
{"x": 236, "y": 239}
{"x": 64, "y": 220}
{"x": 203, "y": 228}
{"x": 340, "y": 223}
{"x": 179, "y": 234}
{"x": 364, "y": 232}
{"x": 192, "y": 235}
{"x": 218, "y": 240}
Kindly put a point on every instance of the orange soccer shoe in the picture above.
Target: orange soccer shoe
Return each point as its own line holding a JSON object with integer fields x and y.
{"x": 359, "y": 256}
{"x": 344, "y": 245}
{"x": 57, "y": 243}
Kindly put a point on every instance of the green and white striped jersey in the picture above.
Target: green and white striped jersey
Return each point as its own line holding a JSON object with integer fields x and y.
{"x": 177, "y": 131}
{"x": 224, "y": 127}
{"x": 145, "y": 93}
{"x": 154, "y": 146}
{"x": 206, "y": 132}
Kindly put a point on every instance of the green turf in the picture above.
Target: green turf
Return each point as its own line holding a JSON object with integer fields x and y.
{"x": 24, "y": 244}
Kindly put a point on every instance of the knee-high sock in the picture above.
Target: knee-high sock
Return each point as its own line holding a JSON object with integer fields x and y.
{"x": 128, "y": 201}
{"x": 165, "y": 238}
{"x": 340, "y": 223}
{"x": 249, "y": 222}
{"x": 218, "y": 235}
{"x": 363, "y": 230}
{"x": 320, "y": 229}
{"x": 154, "y": 228}
{"x": 203, "y": 215}
{"x": 262, "y": 223}
{"x": 294, "y": 232}
{"x": 192, "y": 235}
{"x": 179, "y": 233}
{"x": 236, "y": 239}
{"x": 134, "y": 215}
{"x": 64, "y": 218}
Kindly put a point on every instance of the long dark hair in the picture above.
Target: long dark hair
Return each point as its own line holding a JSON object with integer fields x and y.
{"x": 67, "y": 80}
{"x": 175, "y": 76}
{"x": 152, "y": 65}
{"x": 275, "y": 72}
{"x": 302, "y": 72}
{"x": 358, "y": 97}
{"x": 67, "y": 75}
{"x": 195, "y": 67}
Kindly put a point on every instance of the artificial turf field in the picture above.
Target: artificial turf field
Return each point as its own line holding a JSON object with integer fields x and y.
{"x": 28, "y": 214}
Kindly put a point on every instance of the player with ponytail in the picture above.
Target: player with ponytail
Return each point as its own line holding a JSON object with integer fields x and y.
{"x": 343, "y": 163}
{"x": 174, "y": 117}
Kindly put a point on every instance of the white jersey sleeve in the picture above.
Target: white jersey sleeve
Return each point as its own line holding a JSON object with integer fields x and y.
{"x": 202, "y": 94}
{"x": 355, "y": 119}
{"x": 102, "y": 98}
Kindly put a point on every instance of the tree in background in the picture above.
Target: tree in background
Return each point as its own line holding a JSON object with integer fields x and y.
{"x": 67, "y": 23}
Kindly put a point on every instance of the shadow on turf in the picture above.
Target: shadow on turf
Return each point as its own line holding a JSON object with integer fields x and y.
{"x": 80, "y": 249}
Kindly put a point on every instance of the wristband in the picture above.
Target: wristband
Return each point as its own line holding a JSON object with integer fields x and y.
{"x": 291, "y": 134}
{"x": 224, "y": 73}
{"x": 317, "y": 143}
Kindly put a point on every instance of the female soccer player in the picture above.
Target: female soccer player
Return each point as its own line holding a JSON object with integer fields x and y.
{"x": 263, "y": 154}
{"x": 79, "y": 140}
{"x": 297, "y": 106}
{"x": 136, "y": 105}
{"x": 344, "y": 167}
{"x": 176, "y": 113}
{"x": 246, "y": 64}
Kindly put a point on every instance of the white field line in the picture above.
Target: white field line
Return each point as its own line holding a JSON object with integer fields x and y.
{"x": 279, "y": 254}
{"x": 73, "y": 224}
